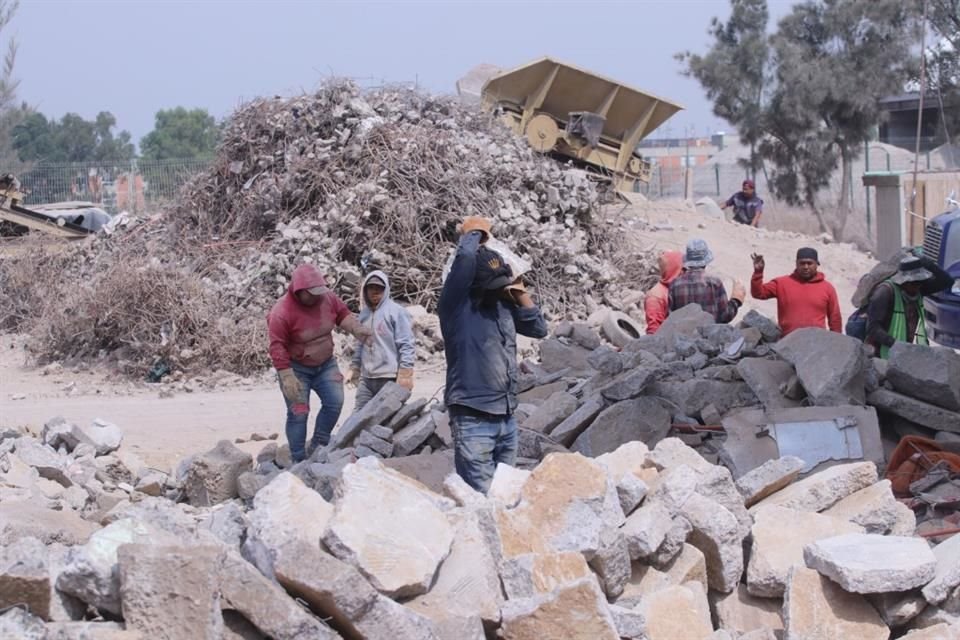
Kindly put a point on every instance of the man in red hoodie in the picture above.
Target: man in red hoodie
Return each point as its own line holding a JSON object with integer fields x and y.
{"x": 656, "y": 304}
{"x": 804, "y": 298}
{"x": 301, "y": 324}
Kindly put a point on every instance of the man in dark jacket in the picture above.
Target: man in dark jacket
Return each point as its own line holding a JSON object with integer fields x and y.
{"x": 482, "y": 308}
{"x": 747, "y": 206}
{"x": 895, "y": 311}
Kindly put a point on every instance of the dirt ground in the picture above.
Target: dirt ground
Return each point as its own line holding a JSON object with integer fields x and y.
{"x": 163, "y": 429}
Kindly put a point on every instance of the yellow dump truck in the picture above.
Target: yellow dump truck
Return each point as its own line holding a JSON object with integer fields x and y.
{"x": 579, "y": 115}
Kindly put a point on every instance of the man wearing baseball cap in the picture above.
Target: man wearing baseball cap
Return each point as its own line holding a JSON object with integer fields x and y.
{"x": 804, "y": 298}
{"x": 482, "y": 308}
{"x": 747, "y": 207}
{"x": 301, "y": 324}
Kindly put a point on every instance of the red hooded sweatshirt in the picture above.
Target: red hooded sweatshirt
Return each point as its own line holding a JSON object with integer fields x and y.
{"x": 301, "y": 333}
{"x": 811, "y": 303}
{"x": 655, "y": 305}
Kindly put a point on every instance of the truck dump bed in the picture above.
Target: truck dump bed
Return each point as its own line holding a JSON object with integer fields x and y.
{"x": 569, "y": 111}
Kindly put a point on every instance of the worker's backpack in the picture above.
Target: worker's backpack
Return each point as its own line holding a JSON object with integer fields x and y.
{"x": 857, "y": 324}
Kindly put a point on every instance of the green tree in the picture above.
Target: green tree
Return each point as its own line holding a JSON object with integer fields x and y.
{"x": 734, "y": 71}
{"x": 11, "y": 113}
{"x": 72, "y": 139}
{"x": 181, "y": 133}
{"x": 943, "y": 61}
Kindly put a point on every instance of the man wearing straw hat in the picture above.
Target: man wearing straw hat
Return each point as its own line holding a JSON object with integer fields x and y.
{"x": 895, "y": 310}
{"x": 482, "y": 308}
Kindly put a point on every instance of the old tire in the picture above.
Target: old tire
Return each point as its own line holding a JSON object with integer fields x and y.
{"x": 620, "y": 329}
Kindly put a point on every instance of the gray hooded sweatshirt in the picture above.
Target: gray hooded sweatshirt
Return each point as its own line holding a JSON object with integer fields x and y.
{"x": 394, "y": 346}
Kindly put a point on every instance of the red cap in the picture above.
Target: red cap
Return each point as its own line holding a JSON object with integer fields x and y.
{"x": 748, "y": 183}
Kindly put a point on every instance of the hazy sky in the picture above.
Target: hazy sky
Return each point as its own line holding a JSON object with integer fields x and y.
{"x": 134, "y": 57}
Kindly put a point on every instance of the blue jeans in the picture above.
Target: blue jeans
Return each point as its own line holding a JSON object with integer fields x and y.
{"x": 480, "y": 443}
{"x": 327, "y": 382}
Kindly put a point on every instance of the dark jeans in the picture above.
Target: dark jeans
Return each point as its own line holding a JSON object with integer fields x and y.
{"x": 481, "y": 441}
{"x": 367, "y": 388}
{"x": 327, "y": 382}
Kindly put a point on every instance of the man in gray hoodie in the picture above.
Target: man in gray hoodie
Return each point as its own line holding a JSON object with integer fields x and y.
{"x": 391, "y": 354}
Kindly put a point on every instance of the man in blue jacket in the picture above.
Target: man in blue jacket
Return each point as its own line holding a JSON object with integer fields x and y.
{"x": 482, "y": 308}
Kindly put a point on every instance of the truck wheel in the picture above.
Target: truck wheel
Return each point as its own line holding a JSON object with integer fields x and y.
{"x": 620, "y": 329}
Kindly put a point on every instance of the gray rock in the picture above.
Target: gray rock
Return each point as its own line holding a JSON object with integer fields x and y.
{"x": 407, "y": 412}
{"x": 585, "y": 336}
{"x": 17, "y": 624}
{"x": 947, "y": 576}
{"x": 361, "y": 451}
{"x": 643, "y": 419}
{"x": 646, "y": 529}
{"x": 720, "y": 335}
{"x": 627, "y": 385}
{"x": 56, "y": 432}
{"x": 409, "y": 438}
{"x": 379, "y": 431}
{"x": 228, "y": 523}
{"x": 611, "y": 563}
{"x": 25, "y": 577}
{"x": 379, "y": 410}
{"x": 552, "y": 412}
{"x": 898, "y": 608}
{"x": 684, "y": 322}
{"x": 212, "y": 477}
{"x": 672, "y": 544}
{"x": 717, "y": 534}
{"x": 765, "y": 378}
{"x": 570, "y": 429}
{"x": 557, "y": 356}
{"x": 697, "y": 361}
{"x": 931, "y": 374}
{"x": 918, "y": 411}
{"x": 370, "y": 441}
{"x": 768, "y": 478}
{"x": 631, "y": 491}
{"x": 871, "y": 563}
{"x": 606, "y": 360}
{"x": 48, "y": 463}
{"x": 830, "y": 365}
{"x": 767, "y": 327}
{"x": 536, "y": 395}
{"x": 684, "y": 346}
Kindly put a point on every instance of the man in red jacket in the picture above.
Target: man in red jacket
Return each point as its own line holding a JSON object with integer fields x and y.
{"x": 804, "y": 298}
{"x": 301, "y": 324}
{"x": 656, "y": 305}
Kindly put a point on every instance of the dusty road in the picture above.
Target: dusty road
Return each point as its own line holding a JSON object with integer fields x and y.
{"x": 161, "y": 430}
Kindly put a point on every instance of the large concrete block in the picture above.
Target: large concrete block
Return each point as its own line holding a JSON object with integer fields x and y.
{"x": 870, "y": 563}
{"x": 918, "y": 411}
{"x": 407, "y": 439}
{"x": 815, "y": 608}
{"x": 25, "y": 577}
{"x": 646, "y": 529}
{"x": 931, "y": 374}
{"x": 627, "y": 385}
{"x": 507, "y": 485}
{"x": 611, "y": 563}
{"x": 212, "y": 478}
{"x": 533, "y": 574}
{"x": 576, "y": 611}
{"x": 874, "y": 508}
{"x": 899, "y": 607}
{"x": 570, "y": 429}
{"x": 778, "y": 538}
{"x": 286, "y": 509}
{"x": 692, "y": 396}
{"x": 824, "y": 489}
{"x": 643, "y": 419}
{"x": 765, "y": 378}
{"x": 717, "y": 534}
{"x": 676, "y": 612}
{"x": 171, "y": 592}
{"x": 565, "y": 505}
{"x": 266, "y": 605}
{"x": 831, "y": 366}
{"x": 389, "y": 527}
{"x": 379, "y": 410}
{"x": 684, "y": 322}
{"x": 947, "y": 575}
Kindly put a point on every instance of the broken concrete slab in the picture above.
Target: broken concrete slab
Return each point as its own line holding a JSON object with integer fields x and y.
{"x": 171, "y": 591}
{"x": 830, "y": 365}
{"x": 870, "y": 563}
{"x": 570, "y": 429}
{"x": 378, "y": 410}
{"x": 765, "y": 378}
{"x": 467, "y": 583}
{"x": 533, "y": 574}
{"x": 411, "y": 437}
{"x": 286, "y": 509}
{"x": 717, "y": 534}
{"x": 931, "y": 374}
{"x": 507, "y": 485}
{"x": 646, "y": 529}
{"x": 899, "y": 607}
{"x": 266, "y": 605}
{"x": 555, "y": 409}
{"x": 824, "y": 489}
{"x": 874, "y": 508}
{"x": 918, "y": 411}
{"x": 382, "y": 515}
{"x": 576, "y": 611}
{"x": 565, "y": 505}
{"x": 947, "y": 576}
{"x": 815, "y": 608}
{"x": 740, "y": 613}
{"x": 676, "y": 612}
{"x": 25, "y": 577}
{"x": 779, "y": 537}
{"x": 212, "y": 477}
{"x": 768, "y": 478}
{"x": 643, "y": 419}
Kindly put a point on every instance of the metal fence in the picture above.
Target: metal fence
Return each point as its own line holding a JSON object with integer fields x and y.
{"x": 134, "y": 186}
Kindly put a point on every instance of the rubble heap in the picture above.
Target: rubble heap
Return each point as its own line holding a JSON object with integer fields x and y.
{"x": 342, "y": 178}
{"x": 634, "y": 534}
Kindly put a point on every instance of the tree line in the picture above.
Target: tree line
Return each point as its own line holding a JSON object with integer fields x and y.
{"x": 806, "y": 97}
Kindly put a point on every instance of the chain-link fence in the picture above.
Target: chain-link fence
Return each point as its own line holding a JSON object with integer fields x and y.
{"x": 135, "y": 186}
